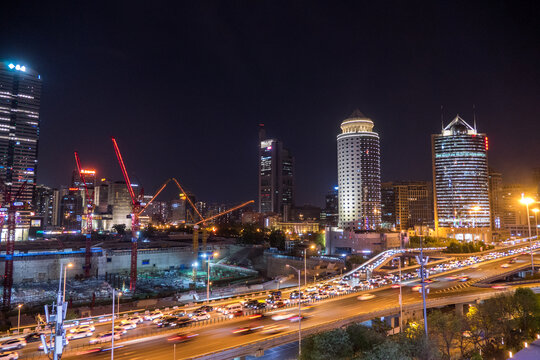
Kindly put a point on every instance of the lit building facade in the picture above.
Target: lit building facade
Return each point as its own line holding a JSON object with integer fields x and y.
{"x": 276, "y": 177}
{"x": 20, "y": 96}
{"x": 359, "y": 174}
{"x": 407, "y": 204}
{"x": 460, "y": 181}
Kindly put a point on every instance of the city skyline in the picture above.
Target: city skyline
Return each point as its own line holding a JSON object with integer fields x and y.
{"x": 217, "y": 97}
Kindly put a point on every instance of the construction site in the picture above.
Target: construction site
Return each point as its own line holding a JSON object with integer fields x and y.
{"x": 163, "y": 265}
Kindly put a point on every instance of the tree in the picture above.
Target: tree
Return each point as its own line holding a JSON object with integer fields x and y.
{"x": 445, "y": 329}
{"x": 330, "y": 345}
{"x": 119, "y": 228}
{"x": 277, "y": 239}
{"x": 526, "y": 312}
{"x": 363, "y": 338}
{"x": 388, "y": 350}
{"x": 251, "y": 235}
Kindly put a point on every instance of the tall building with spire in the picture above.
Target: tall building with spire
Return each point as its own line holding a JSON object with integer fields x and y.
{"x": 461, "y": 182}
{"x": 20, "y": 97}
{"x": 359, "y": 174}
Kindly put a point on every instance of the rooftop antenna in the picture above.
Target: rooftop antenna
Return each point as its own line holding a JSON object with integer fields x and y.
{"x": 442, "y": 118}
{"x": 474, "y": 116}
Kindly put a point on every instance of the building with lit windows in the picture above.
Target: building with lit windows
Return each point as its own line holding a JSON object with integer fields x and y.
{"x": 460, "y": 181}
{"x": 407, "y": 204}
{"x": 276, "y": 177}
{"x": 20, "y": 94}
{"x": 359, "y": 174}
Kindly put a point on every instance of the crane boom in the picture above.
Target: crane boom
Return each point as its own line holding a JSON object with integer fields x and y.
{"x": 135, "y": 225}
{"x": 188, "y": 199}
{"x": 225, "y": 212}
{"x": 124, "y": 171}
{"x": 155, "y": 196}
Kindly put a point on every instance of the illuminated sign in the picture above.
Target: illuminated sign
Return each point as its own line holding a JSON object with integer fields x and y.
{"x": 17, "y": 67}
{"x": 73, "y": 189}
{"x": 18, "y": 203}
{"x": 91, "y": 172}
{"x": 266, "y": 144}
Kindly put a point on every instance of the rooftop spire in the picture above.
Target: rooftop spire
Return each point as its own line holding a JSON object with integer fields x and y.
{"x": 357, "y": 114}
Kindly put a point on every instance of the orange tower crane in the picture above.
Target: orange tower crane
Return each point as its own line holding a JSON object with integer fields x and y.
{"x": 89, "y": 217}
{"x": 135, "y": 212}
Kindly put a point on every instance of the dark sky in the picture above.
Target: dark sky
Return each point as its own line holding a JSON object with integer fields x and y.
{"x": 183, "y": 85}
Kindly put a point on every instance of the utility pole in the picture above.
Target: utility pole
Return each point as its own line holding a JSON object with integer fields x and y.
{"x": 57, "y": 340}
{"x": 423, "y": 262}
{"x": 400, "y": 300}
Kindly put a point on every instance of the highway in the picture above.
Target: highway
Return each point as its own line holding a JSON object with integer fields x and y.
{"x": 213, "y": 337}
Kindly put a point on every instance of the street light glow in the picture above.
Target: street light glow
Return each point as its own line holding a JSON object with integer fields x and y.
{"x": 526, "y": 200}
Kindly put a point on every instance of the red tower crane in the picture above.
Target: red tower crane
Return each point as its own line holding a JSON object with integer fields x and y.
{"x": 135, "y": 212}
{"x": 12, "y": 205}
{"x": 89, "y": 216}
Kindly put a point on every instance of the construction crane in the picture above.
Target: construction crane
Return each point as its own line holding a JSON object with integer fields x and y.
{"x": 89, "y": 216}
{"x": 135, "y": 212}
{"x": 11, "y": 203}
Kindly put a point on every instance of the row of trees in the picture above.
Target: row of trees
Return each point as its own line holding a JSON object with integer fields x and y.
{"x": 487, "y": 331}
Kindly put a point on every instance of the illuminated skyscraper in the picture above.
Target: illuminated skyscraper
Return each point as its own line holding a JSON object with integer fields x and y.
{"x": 20, "y": 93}
{"x": 359, "y": 174}
{"x": 276, "y": 177}
{"x": 461, "y": 184}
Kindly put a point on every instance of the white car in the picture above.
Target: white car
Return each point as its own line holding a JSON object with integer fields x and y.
{"x": 79, "y": 334}
{"x": 201, "y": 316}
{"x": 128, "y": 325}
{"x": 16, "y": 343}
{"x": 82, "y": 328}
{"x": 365, "y": 297}
{"x": 10, "y": 355}
{"x": 104, "y": 337}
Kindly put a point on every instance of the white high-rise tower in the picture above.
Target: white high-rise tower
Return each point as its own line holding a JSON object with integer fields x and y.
{"x": 359, "y": 174}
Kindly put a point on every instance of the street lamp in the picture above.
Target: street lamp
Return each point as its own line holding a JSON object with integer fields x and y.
{"x": 119, "y": 294}
{"x": 528, "y": 201}
{"x": 19, "y": 318}
{"x": 535, "y": 211}
{"x": 299, "y": 313}
{"x": 208, "y": 279}
{"x": 312, "y": 247}
{"x": 70, "y": 265}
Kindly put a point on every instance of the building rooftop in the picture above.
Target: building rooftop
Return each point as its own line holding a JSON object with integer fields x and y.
{"x": 458, "y": 126}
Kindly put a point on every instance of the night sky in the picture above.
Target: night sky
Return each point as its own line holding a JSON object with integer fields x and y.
{"x": 183, "y": 85}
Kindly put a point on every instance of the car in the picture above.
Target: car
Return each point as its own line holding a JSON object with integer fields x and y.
{"x": 104, "y": 337}
{"x": 200, "y": 317}
{"x": 504, "y": 266}
{"x": 79, "y": 334}
{"x": 15, "y": 343}
{"x": 182, "y": 337}
{"x": 120, "y": 330}
{"x": 419, "y": 288}
{"x": 463, "y": 278}
{"x": 153, "y": 315}
{"x": 9, "y": 355}
{"x": 278, "y": 304}
{"x": 258, "y": 306}
{"x": 236, "y": 313}
{"x": 499, "y": 287}
{"x": 83, "y": 327}
{"x": 32, "y": 337}
{"x": 205, "y": 308}
{"x": 248, "y": 329}
{"x": 274, "y": 329}
{"x": 282, "y": 316}
{"x": 172, "y": 321}
{"x": 128, "y": 325}
{"x": 134, "y": 318}
{"x": 395, "y": 286}
{"x": 365, "y": 297}
{"x": 296, "y": 318}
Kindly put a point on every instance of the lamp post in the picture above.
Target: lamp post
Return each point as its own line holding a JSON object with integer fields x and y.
{"x": 65, "y": 277}
{"x": 535, "y": 211}
{"x": 119, "y": 294}
{"x": 19, "y": 319}
{"x": 400, "y": 300}
{"x": 528, "y": 201}
{"x": 299, "y": 313}
{"x": 312, "y": 247}
{"x": 112, "y": 330}
{"x": 208, "y": 278}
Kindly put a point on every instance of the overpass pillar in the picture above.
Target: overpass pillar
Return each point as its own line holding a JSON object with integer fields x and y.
{"x": 459, "y": 309}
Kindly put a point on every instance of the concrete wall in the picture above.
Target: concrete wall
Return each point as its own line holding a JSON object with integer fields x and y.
{"x": 39, "y": 268}
{"x": 340, "y": 241}
{"x": 276, "y": 266}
